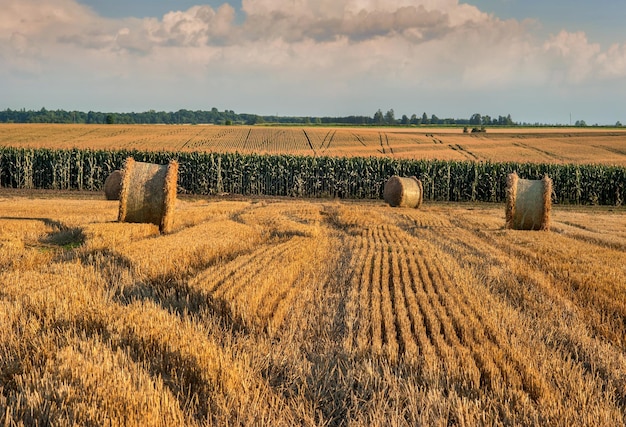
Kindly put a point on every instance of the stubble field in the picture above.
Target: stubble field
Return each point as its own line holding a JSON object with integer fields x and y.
{"x": 538, "y": 145}
{"x": 309, "y": 312}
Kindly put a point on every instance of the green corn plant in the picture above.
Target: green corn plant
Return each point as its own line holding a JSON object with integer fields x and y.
{"x": 310, "y": 176}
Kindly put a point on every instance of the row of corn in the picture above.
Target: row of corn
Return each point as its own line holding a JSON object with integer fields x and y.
{"x": 310, "y": 176}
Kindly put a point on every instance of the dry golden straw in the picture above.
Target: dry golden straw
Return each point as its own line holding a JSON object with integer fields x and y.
{"x": 149, "y": 193}
{"x": 528, "y": 203}
{"x": 403, "y": 192}
{"x": 113, "y": 185}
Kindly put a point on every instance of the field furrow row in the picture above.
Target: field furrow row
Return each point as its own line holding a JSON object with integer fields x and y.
{"x": 528, "y": 289}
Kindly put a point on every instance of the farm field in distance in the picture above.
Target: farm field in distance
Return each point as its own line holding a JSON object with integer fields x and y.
{"x": 540, "y": 145}
{"x": 282, "y": 311}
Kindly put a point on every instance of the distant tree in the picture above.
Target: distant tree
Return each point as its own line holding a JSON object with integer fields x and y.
{"x": 390, "y": 117}
{"x": 215, "y": 116}
{"x": 255, "y": 120}
{"x": 618, "y": 124}
{"x": 378, "y": 117}
{"x": 504, "y": 121}
{"x": 405, "y": 119}
{"x": 476, "y": 119}
{"x": 580, "y": 123}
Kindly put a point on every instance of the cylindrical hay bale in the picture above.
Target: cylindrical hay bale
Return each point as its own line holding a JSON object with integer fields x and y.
{"x": 528, "y": 203}
{"x": 113, "y": 185}
{"x": 149, "y": 193}
{"x": 403, "y": 192}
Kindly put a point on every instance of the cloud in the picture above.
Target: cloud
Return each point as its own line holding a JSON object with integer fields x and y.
{"x": 196, "y": 27}
{"x": 295, "y": 20}
{"x": 613, "y": 61}
{"x": 573, "y": 55}
{"x": 353, "y": 49}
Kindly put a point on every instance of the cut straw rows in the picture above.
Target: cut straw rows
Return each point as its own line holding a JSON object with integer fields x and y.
{"x": 565, "y": 274}
{"x": 309, "y": 313}
{"x": 406, "y": 307}
{"x": 263, "y": 287}
{"x": 500, "y": 338}
{"x": 143, "y": 341}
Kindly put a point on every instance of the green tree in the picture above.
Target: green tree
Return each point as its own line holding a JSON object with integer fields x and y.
{"x": 378, "y": 117}
{"x": 254, "y": 119}
{"x": 390, "y": 117}
{"x": 476, "y": 119}
{"x": 425, "y": 120}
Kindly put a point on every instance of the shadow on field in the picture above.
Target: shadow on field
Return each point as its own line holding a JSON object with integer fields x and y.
{"x": 176, "y": 296}
{"x": 169, "y": 291}
{"x": 127, "y": 287}
{"x": 62, "y": 236}
{"x": 66, "y": 238}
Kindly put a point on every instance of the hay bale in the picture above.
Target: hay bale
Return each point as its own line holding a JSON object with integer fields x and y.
{"x": 113, "y": 185}
{"x": 149, "y": 193}
{"x": 403, "y": 192}
{"x": 528, "y": 203}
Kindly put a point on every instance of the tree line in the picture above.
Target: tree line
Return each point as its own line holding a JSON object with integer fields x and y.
{"x": 229, "y": 117}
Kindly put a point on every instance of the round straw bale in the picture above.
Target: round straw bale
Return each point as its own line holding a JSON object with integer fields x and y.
{"x": 113, "y": 185}
{"x": 403, "y": 192}
{"x": 149, "y": 193}
{"x": 528, "y": 203}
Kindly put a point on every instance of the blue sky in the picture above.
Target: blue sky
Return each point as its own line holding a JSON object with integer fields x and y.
{"x": 149, "y": 8}
{"x": 602, "y": 20}
{"x": 539, "y": 61}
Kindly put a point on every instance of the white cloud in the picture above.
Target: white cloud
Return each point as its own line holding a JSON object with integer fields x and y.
{"x": 574, "y": 55}
{"x": 198, "y": 26}
{"x": 356, "y": 19}
{"x": 36, "y": 17}
{"x": 613, "y": 61}
{"x": 316, "y": 48}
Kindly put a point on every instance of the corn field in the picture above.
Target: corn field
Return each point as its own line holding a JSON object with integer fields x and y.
{"x": 310, "y": 176}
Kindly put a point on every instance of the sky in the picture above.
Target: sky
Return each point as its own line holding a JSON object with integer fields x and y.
{"x": 541, "y": 61}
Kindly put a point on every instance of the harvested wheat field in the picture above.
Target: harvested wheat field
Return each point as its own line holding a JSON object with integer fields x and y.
{"x": 309, "y": 312}
{"x": 538, "y": 145}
